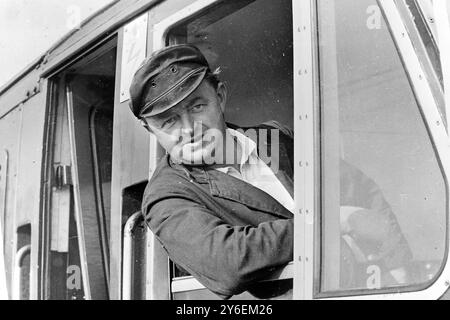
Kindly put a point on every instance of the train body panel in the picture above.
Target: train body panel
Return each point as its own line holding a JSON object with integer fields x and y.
{"x": 74, "y": 161}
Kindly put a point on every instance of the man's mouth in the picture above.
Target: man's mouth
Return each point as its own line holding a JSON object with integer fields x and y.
{"x": 193, "y": 142}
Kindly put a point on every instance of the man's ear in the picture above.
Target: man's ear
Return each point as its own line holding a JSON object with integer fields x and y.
{"x": 222, "y": 93}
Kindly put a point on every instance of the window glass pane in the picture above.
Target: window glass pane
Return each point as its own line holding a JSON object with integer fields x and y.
{"x": 383, "y": 193}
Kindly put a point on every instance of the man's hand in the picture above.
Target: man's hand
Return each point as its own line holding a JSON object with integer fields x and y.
{"x": 363, "y": 223}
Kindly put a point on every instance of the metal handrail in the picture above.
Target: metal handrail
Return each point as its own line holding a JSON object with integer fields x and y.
{"x": 3, "y": 186}
{"x": 101, "y": 216}
{"x": 18, "y": 264}
{"x": 128, "y": 255}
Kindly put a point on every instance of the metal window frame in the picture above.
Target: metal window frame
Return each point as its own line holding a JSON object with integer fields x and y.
{"x": 430, "y": 67}
{"x": 440, "y": 140}
{"x": 305, "y": 104}
{"x": 427, "y": 11}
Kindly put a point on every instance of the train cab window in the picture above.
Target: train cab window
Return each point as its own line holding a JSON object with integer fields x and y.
{"x": 383, "y": 194}
{"x": 250, "y": 42}
{"x": 81, "y": 204}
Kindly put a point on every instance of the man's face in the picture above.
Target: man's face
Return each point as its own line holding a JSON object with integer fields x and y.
{"x": 192, "y": 130}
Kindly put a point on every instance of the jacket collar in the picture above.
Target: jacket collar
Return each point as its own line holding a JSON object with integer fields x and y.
{"x": 225, "y": 186}
{"x": 228, "y": 187}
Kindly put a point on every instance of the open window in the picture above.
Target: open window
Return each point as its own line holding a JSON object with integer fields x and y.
{"x": 250, "y": 41}
{"x": 81, "y": 180}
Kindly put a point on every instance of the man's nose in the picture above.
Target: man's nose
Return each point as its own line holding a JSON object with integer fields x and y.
{"x": 187, "y": 124}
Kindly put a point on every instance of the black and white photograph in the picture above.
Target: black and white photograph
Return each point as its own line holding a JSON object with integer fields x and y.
{"x": 228, "y": 150}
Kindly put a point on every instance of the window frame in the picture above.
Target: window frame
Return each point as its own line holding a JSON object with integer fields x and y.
{"x": 306, "y": 264}
{"x": 439, "y": 138}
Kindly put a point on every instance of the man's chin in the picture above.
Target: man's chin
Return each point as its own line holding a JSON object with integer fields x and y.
{"x": 195, "y": 161}
{"x": 189, "y": 160}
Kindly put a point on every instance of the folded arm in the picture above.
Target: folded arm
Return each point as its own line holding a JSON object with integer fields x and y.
{"x": 224, "y": 258}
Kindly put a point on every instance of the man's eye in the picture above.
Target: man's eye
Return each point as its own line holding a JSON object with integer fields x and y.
{"x": 197, "y": 107}
{"x": 169, "y": 122}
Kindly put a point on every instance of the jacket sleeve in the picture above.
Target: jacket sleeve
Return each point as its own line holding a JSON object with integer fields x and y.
{"x": 224, "y": 258}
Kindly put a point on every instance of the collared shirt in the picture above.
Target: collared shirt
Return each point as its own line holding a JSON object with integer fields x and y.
{"x": 254, "y": 171}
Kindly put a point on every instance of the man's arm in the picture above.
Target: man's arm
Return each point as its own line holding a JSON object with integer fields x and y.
{"x": 224, "y": 258}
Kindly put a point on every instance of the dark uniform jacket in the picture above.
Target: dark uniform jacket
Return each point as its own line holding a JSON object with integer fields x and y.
{"x": 229, "y": 234}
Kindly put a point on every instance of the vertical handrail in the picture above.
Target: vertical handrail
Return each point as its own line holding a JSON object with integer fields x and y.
{"x": 128, "y": 255}
{"x": 77, "y": 199}
{"x": 3, "y": 285}
{"x": 99, "y": 197}
{"x": 3, "y": 186}
{"x": 17, "y": 279}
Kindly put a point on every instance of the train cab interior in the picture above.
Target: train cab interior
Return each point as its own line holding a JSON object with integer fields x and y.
{"x": 81, "y": 204}
{"x": 369, "y": 117}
